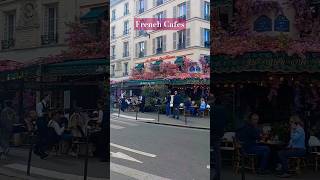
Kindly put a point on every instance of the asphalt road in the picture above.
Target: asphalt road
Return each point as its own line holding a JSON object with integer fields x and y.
{"x": 150, "y": 151}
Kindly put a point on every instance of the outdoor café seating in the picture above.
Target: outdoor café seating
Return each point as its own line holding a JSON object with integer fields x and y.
{"x": 249, "y": 160}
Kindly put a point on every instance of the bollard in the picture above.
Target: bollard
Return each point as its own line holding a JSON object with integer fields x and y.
{"x": 158, "y": 114}
{"x": 119, "y": 111}
{"x": 30, "y": 154}
{"x": 243, "y": 177}
{"x": 136, "y": 113}
{"x": 85, "y": 173}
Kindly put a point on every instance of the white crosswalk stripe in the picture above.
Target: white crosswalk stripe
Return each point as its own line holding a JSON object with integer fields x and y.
{"x": 123, "y": 122}
{"x": 113, "y": 126}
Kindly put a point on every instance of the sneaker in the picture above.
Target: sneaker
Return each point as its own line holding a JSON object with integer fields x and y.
{"x": 284, "y": 175}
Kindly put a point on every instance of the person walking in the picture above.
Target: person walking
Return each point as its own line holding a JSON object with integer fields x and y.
{"x": 176, "y": 104}
{"x": 168, "y": 100}
{"x": 8, "y": 117}
{"x": 42, "y": 127}
{"x": 219, "y": 117}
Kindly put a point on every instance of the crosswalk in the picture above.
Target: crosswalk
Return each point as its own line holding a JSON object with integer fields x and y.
{"x": 121, "y": 123}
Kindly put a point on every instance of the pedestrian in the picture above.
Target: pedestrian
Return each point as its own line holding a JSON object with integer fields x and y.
{"x": 42, "y": 110}
{"x": 142, "y": 103}
{"x": 219, "y": 117}
{"x": 168, "y": 101}
{"x": 8, "y": 117}
{"x": 176, "y": 104}
{"x": 296, "y": 147}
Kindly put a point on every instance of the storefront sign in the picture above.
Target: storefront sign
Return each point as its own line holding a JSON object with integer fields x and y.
{"x": 160, "y": 58}
{"x": 282, "y": 24}
{"x": 263, "y": 24}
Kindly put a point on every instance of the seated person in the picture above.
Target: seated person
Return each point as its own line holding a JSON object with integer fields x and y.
{"x": 203, "y": 105}
{"x": 55, "y": 132}
{"x": 30, "y": 121}
{"x": 188, "y": 107}
{"x": 249, "y": 134}
{"x": 296, "y": 147}
{"x": 77, "y": 124}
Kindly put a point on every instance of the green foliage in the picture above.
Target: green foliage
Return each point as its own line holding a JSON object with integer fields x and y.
{"x": 152, "y": 93}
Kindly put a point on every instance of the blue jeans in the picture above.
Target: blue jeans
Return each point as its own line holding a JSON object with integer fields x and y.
{"x": 168, "y": 109}
{"x": 285, "y": 154}
{"x": 262, "y": 152}
{"x": 176, "y": 112}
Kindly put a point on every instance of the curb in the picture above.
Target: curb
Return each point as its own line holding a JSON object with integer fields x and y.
{"x": 176, "y": 125}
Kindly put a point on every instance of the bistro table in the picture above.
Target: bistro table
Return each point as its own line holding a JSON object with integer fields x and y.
{"x": 275, "y": 147}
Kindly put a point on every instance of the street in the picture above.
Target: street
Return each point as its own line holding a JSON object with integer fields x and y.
{"x": 149, "y": 151}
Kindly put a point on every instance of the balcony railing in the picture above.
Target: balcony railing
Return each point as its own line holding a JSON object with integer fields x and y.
{"x": 207, "y": 44}
{"x": 141, "y": 54}
{"x": 7, "y": 44}
{"x": 159, "y": 51}
{"x": 126, "y": 54}
{"x": 181, "y": 45}
{"x": 159, "y": 2}
{"x": 49, "y": 39}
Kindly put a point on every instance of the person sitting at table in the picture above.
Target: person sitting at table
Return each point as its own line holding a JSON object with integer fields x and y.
{"x": 188, "y": 106}
{"x": 30, "y": 121}
{"x": 249, "y": 135}
{"x": 55, "y": 132}
{"x": 296, "y": 147}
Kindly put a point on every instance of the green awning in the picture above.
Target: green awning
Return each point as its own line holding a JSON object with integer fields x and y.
{"x": 77, "y": 67}
{"x": 266, "y": 62}
{"x": 179, "y": 61}
{"x": 157, "y": 63}
{"x": 94, "y": 14}
{"x": 139, "y": 66}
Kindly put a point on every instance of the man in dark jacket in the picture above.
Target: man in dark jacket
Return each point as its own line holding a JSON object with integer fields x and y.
{"x": 176, "y": 104}
{"x": 218, "y": 116}
{"x": 168, "y": 100}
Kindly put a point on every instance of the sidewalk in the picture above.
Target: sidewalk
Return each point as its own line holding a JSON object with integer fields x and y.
{"x": 147, "y": 117}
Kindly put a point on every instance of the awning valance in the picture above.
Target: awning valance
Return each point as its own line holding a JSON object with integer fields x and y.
{"x": 139, "y": 66}
{"x": 266, "y": 62}
{"x": 179, "y": 60}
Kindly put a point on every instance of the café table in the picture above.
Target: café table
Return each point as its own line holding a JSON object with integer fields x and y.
{"x": 275, "y": 147}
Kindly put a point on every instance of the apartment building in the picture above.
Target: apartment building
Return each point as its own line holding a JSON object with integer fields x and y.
{"x": 121, "y": 38}
{"x": 32, "y": 29}
{"x": 136, "y": 49}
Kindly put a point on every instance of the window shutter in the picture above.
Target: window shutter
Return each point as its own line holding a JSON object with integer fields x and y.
{"x": 46, "y": 21}
{"x": 165, "y": 14}
{"x": 188, "y": 37}
{"x": 202, "y": 9}
{"x": 137, "y": 47}
{"x": 174, "y": 11}
{"x": 188, "y": 9}
{"x": 137, "y": 7}
{"x": 145, "y": 48}
{"x": 145, "y": 5}
{"x": 202, "y": 37}
{"x": 154, "y": 46}
{"x": 174, "y": 41}
{"x": 164, "y": 43}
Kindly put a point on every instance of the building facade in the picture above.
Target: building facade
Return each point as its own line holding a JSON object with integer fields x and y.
{"x": 149, "y": 46}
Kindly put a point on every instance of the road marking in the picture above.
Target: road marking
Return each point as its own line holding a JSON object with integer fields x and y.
{"x": 140, "y": 175}
{"x": 116, "y": 126}
{"x": 121, "y": 122}
{"x": 208, "y": 166}
{"x": 48, "y": 173}
{"x": 121, "y": 155}
{"x": 131, "y": 117}
{"x": 133, "y": 150}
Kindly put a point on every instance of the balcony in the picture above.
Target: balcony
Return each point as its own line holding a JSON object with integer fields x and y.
{"x": 141, "y": 10}
{"x": 159, "y": 51}
{"x": 7, "y": 44}
{"x": 49, "y": 39}
{"x": 207, "y": 44}
{"x": 159, "y": 2}
{"x": 141, "y": 54}
{"x": 181, "y": 46}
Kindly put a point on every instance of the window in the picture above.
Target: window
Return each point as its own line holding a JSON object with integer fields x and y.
{"x": 50, "y": 25}
{"x": 141, "y": 33}
{"x": 125, "y": 73}
{"x": 182, "y": 39}
{"x": 113, "y": 52}
{"x": 206, "y": 38}
{"x": 141, "y": 49}
{"x": 9, "y": 30}
{"x": 159, "y": 2}
{"x": 182, "y": 10}
{"x": 160, "y": 15}
{"x": 141, "y": 6}
{"x": 159, "y": 49}
{"x": 126, "y": 9}
{"x": 125, "y": 49}
{"x": 113, "y": 16}
{"x": 206, "y": 10}
{"x": 113, "y": 32}
{"x": 126, "y": 28}
{"x": 112, "y": 70}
